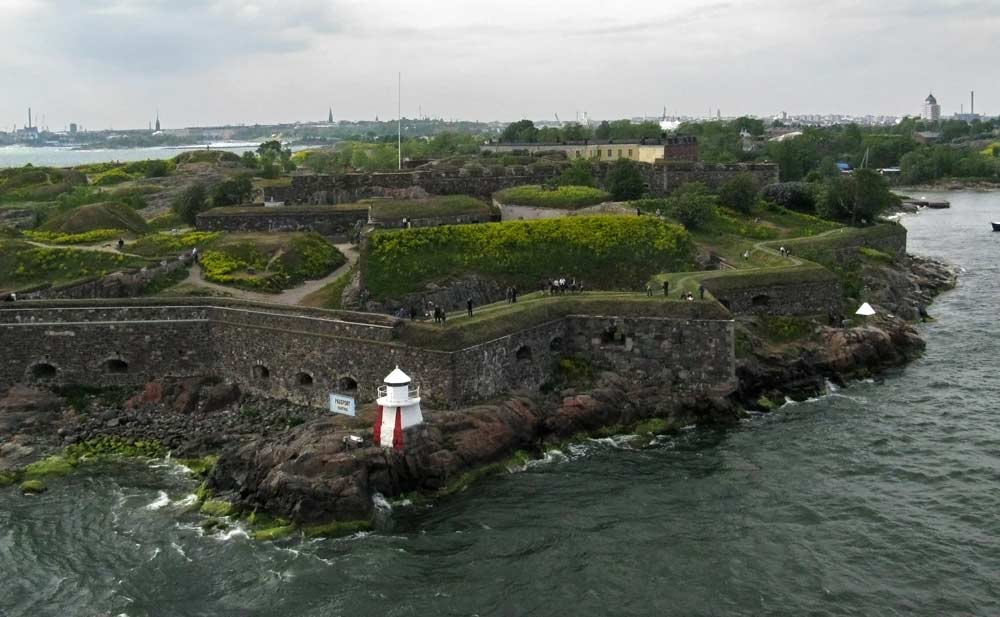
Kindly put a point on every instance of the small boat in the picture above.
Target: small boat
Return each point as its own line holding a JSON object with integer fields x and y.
{"x": 996, "y": 226}
{"x": 938, "y": 204}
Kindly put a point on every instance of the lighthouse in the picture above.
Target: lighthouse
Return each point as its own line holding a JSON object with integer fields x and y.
{"x": 398, "y": 409}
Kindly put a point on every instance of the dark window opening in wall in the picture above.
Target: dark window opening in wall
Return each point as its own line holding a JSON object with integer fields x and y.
{"x": 613, "y": 335}
{"x": 556, "y": 344}
{"x": 609, "y": 152}
{"x": 630, "y": 152}
{"x": 260, "y": 372}
{"x": 347, "y": 384}
{"x": 523, "y": 353}
{"x": 116, "y": 365}
{"x": 761, "y": 300}
{"x": 43, "y": 371}
{"x": 304, "y": 379}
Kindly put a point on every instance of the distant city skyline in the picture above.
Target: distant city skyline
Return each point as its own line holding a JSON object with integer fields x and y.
{"x": 112, "y": 63}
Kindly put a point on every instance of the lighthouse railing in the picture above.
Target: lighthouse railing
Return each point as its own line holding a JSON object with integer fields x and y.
{"x": 412, "y": 392}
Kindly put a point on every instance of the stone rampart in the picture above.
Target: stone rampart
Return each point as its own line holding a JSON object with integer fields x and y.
{"x": 664, "y": 177}
{"x": 749, "y": 295}
{"x": 327, "y": 221}
{"x": 303, "y": 355}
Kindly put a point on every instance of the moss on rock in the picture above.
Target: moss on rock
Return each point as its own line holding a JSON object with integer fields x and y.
{"x": 216, "y": 507}
{"x": 200, "y": 467}
{"x": 33, "y": 487}
{"x": 274, "y": 533}
{"x": 8, "y": 478}
{"x": 336, "y": 529}
{"x": 53, "y": 465}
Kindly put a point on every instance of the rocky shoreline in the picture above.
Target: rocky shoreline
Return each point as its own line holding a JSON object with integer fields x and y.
{"x": 296, "y": 462}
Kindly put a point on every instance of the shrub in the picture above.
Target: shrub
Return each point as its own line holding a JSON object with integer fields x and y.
{"x": 87, "y": 237}
{"x": 608, "y": 252}
{"x": 165, "y": 244}
{"x": 157, "y": 169}
{"x": 563, "y": 197}
{"x": 190, "y": 202}
{"x": 625, "y": 181}
{"x": 112, "y": 177}
{"x": 692, "y": 205}
{"x": 232, "y": 191}
{"x": 740, "y": 193}
{"x": 579, "y": 173}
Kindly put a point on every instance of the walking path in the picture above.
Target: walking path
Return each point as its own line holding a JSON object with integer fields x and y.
{"x": 290, "y": 297}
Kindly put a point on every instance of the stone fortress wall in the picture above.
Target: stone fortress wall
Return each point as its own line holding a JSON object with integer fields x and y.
{"x": 303, "y": 355}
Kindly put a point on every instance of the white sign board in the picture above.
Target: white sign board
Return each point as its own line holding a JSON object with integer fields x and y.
{"x": 342, "y": 404}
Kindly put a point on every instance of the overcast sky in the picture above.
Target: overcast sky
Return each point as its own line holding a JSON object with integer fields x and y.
{"x": 111, "y": 63}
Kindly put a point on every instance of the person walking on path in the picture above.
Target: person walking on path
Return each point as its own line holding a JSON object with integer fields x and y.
{"x": 468, "y": 305}
{"x": 701, "y": 291}
{"x": 649, "y": 290}
{"x": 666, "y": 287}
{"x": 513, "y": 294}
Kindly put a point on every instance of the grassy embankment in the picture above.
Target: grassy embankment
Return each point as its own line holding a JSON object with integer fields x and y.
{"x": 606, "y": 252}
{"x": 24, "y": 266}
{"x": 260, "y": 262}
{"x": 533, "y": 309}
{"x": 560, "y": 198}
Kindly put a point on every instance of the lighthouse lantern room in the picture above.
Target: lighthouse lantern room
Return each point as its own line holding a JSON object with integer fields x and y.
{"x": 398, "y": 409}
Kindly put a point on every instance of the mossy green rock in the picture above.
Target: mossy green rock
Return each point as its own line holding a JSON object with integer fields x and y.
{"x": 216, "y": 507}
{"x": 653, "y": 426}
{"x": 336, "y": 529}
{"x": 765, "y": 403}
{"x": 53, "y": 465}
{"x": 274, "y": 533}
{"x": 7, "y": 478}
{"x": 33, "y": 487}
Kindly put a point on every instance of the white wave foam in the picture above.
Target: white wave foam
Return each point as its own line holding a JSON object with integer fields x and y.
{"x": 188, "y": 500}
{"x": 180, "y": 551}
{"x": 161, "y": 500}
{"x": 381, "y": 503}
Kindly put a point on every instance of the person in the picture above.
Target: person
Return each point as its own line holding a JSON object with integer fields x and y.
{"x": 194, "y": 254}
{"x": 444, "y": 316}
{"x": 507, "y": 294}
{"x": 121, "y": 243}
{"x": 689, "y": 297}
{"x": 413, "y": 313}
{"x": 468, "y": 305}
{"x": 701, "y": 291}
{"x": 13, "y": 297}
{"x": 649, "y": 290}
{"x": 513, "y": 294}
{"x": 666, "y": 287}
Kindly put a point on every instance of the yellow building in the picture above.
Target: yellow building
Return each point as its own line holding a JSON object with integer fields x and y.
{"x": 646, "y": 151}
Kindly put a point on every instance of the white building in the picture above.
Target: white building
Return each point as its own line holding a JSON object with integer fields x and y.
{"x": 932, "y": 111}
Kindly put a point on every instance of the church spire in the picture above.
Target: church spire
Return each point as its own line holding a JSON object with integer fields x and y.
{"x": 330, "y": 117}
{"x": 157, "y": 119}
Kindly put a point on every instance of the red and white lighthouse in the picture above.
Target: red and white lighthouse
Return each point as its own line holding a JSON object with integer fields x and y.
{"x": 398, "y": 409}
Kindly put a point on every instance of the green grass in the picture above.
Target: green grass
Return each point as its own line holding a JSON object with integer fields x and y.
{"x": 727, "y": 280}
{"x": 97, "y": 216}
{"x": 269, "y": 262}
{"x": 607, "y": 252}
{"x": 302, "y": 209}
{"x": 563, "y": 197}
{"x": 831, "y": 249}
{"x": 37, "y": 184}
{"x": 331, "y": 295}
{"x": 785, "y": 329}
{"x": 23, "y": 265}
{"x": 448, "y": 205}
{"x": 170, "y": 245}
{"x": 500, "y": 319}
{"x": 87, "y": 237}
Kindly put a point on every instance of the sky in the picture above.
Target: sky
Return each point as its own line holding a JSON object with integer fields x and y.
{"x": 113, "y": 63}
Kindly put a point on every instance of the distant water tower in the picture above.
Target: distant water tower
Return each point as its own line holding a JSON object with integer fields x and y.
{"x": 398, "y": 409}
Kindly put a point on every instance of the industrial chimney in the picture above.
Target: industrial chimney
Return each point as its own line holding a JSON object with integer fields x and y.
{"x": 972, "y": 102}
{"x": 29, "y": 117}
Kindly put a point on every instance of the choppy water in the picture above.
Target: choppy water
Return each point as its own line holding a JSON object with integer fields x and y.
{"x": 879, "y": 499}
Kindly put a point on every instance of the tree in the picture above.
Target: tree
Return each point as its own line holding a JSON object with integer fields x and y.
{"x": 232, "y": 192}
{"x": 855, "y": 199}
{"x": 578, "y": 173}
{"x": 272, "y": 147}
{"x": 249, "y": 159}
{"x": 157, "y": 169}
{"x": 520, "y": 131}
{"x": 603, "y": 130}
{"x": 190, "y": 202}
{"x": 625, "y": 181}
{"x": 798, "y": 196}
{"x": 740, "y": 193}
{"x": 692, "y": 204}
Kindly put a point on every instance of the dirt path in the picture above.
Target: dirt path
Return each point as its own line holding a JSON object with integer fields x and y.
{"x": 288, "y": 297}
{"x": 102, "y": 248}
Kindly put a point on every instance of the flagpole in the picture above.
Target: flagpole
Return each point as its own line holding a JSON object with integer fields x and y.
{"x": 399, "y": 118}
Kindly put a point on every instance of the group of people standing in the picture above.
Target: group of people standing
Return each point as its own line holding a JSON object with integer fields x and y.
{"x": 511, "y": 294}
{"x": 562, "y": 285}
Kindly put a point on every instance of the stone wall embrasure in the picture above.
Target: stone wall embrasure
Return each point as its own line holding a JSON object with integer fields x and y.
{"x": 304, "y": 355}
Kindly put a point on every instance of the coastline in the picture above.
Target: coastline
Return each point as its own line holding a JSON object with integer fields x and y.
{"x": 294, "y": 463}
